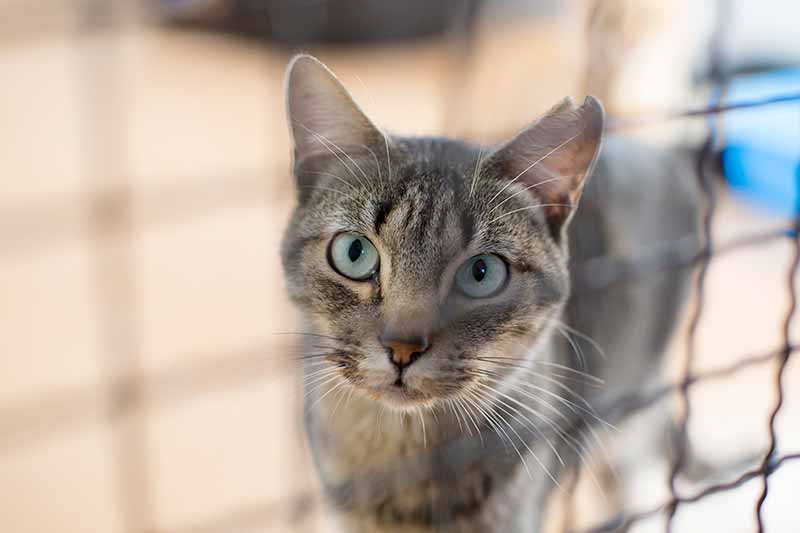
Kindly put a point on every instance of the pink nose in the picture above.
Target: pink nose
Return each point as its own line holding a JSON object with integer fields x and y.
{"x": 402, "y": 353}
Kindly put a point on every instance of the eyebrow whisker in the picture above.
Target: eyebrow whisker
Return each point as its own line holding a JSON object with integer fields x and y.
{"x": 495, "y": 219}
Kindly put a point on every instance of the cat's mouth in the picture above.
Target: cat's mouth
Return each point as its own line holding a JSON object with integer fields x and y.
{"x": 399, "y": 394}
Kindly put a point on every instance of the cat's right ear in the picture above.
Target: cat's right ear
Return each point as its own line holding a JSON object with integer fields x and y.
{"x": 324, "y": 120}
{"x": 554, "y": 156}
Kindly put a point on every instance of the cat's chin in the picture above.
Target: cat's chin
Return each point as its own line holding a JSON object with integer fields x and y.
{"x": 401, "y": 398}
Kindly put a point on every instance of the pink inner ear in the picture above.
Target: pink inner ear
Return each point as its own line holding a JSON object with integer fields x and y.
{"x": 561, "y": 144}
{"x": 558, "y": 202}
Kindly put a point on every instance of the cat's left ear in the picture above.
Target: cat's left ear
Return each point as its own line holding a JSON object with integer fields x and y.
{"x": 323, "y": 117}
{"x": 554, "y": 156}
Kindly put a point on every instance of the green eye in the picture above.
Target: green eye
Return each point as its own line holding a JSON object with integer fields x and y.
{"x": 482, "y": 276}
{"x": 353, "y": 256}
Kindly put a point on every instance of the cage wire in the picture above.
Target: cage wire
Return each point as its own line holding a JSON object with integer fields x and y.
{"x": 128, "y": 391}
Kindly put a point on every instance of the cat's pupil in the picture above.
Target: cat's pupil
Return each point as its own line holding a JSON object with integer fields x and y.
{"x": 479, "y": 270}
{"x": 355, "y": 250}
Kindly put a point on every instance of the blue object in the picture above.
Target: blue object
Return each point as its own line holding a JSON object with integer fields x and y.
{"x": 761, "y": 158}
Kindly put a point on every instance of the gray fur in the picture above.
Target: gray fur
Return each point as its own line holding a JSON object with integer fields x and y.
{"x": 416, "y": 460}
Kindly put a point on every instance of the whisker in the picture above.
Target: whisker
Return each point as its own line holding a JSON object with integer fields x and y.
{"x": 383, "y": 132}
{"x": 432, "y": 411}
{"x": 495, "y": 219}
{"x": 379, "y": 425}
{"x": 524, "y": 443}
{"x": 573, "y": 443}
{"x": 458, "y": 411}
{"x": 572, "y": 406}
{"x": 585, "y": 337}
{"x": 320, "y": 380}
{"x": 328, "y": 189}
{"x": 475, "y": 172}
{"x": 320, "y": 384}
{"x": 575, "y": 347}
{"x": 472, "y": 416}
{"x": 323, "y": 140}
{"x": 375, "y": 157}
{"x": 306, "y": 334}
{"x": 311, "y": 357}
{"x": 315, "y": 363}
{"x": 351, "y": 160}
{"x": 516, "y": 387}
{"x": 350, "y": 395}
{"x": 340, "y": 395}
{"x": 529, "y": 187}
{"x": 470, "y": 400}
{"x": 564, "y": 368}
{"x": 545, "y": 378}
{"x": 388, "y": 157}
{"x": 334, "y": 176}
{"x": 320, "y": 136}
{"x": 340, "y": 384}
{"x": 519, "y": 413}
{"x": 529, "y": 167}
{"x": 315, "y": 373}
{"x": 422, "y": 422}
{"x": 491, "y": 376}
{"x": 449, "y": 403}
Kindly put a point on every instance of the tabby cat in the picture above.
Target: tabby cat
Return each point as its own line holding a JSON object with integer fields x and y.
{"x": 446, "y": 364}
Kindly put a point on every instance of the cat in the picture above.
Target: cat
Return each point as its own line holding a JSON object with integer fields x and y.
{"x": 446, "y": 363}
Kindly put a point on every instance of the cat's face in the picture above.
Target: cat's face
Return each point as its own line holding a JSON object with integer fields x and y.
{"x": 420, "y": 261}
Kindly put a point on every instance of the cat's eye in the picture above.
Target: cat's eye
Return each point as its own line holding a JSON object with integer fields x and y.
{"x": 482, "y": 276}
{"x": 353, "y": 256}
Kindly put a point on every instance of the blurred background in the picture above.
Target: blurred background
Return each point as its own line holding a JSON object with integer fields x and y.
{"x": 145, "y": 385}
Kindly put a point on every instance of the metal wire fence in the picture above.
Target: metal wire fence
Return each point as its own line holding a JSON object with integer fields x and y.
{"x": 108, "y": 223}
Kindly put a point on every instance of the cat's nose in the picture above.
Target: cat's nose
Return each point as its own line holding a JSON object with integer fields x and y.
{"x": 403, "y": 352}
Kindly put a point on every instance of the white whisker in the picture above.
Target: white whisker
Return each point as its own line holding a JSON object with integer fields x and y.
{"x": 529, "y": 187}
{"x": 530, "y": 410}
{"x": 310, "y": 392}
{"x": 524, "y": 443}
{"x": 422, "y": 422}
{"x": 327, "y": 370}
{"x": 472, "y": 416}
{"x": 382, "y": 131}
{"x": 379, "y": 425}
{"x": 579, "y": 374}
{"x": 585, "y": 337}
{"x": 475, "y": 172}
{"x": 350, "y": 395}
{"x": 375, "y": 157}
{"x": 372, "y": 101}
{"x": 575, "y": 347}
{"x": 329, "y": 190}
{"x": 470, "y": 399}
{"x": 324, "y": 141}
{"x": 495, "y": 219}
{"x": 572, "y": 406}
{"x": 347, "y": 156}
{"x": 529, "y": 167}
{"x": 319, "y": 381}
{"x": 574, "y": 444}
{"x": 334, "y": 176}
{"x": 449, "y": 403}
{"x": 340, "y": 395}
{"x": 341, "y": 384}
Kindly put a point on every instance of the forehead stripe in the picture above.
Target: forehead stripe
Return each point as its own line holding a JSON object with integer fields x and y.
{"x": 381, "y": 214}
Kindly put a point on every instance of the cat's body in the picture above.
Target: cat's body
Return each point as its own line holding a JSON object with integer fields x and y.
{"x": 470, "y": 430}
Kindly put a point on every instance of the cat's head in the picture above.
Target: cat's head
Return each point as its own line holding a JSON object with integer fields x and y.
{"x": 418, "y": 261}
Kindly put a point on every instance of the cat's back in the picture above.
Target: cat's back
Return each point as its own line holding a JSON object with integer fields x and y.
{"x": 639, "y": 207}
